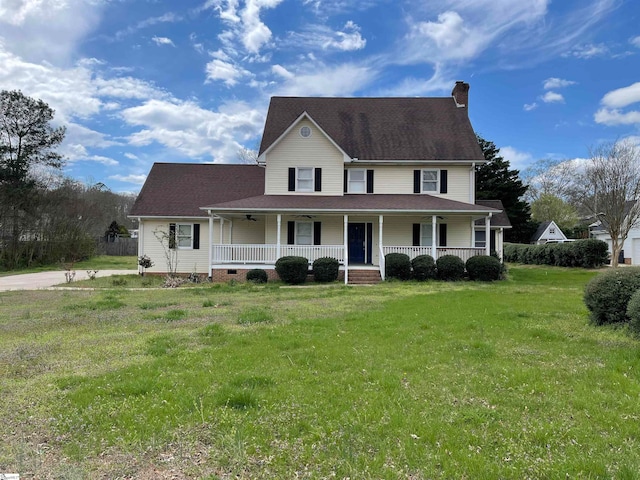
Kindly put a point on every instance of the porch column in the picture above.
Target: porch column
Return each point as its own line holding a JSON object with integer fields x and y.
{"x": 346, "y": 249}
{"x": 473, "y": 233}
{"x": 210, "y": 242}
{"x": 278, "y": 248}
{"x": 221, "y": 230}
{"x": 140, "y": 241}
{"x": 380, "y": 247}
{"x": 434, "y": 243}
{"x": 487, "y": 231}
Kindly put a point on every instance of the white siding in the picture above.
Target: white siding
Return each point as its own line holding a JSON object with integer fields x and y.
{"x": 398, "y": 231}
{"x": 248, "y": 232}
{"x": 189, "y": 260}
{"x": 295, "y": 151}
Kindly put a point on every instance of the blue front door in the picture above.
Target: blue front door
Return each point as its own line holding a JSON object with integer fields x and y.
{"x": 357, "y": 238}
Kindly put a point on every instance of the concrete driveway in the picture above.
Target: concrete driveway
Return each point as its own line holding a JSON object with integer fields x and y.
{"x": 36, "y": 281}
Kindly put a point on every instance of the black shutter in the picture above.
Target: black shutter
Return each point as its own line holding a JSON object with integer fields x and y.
{"x": 292, "y": 179}
{"x": 443, "y": 234}
{"x": 417, "y": 181}
{"x": 346, "y": 180}
{"x": 318, "y": 179}
{"x": 369, "y": 181}
{"x": 172, "y": 235}
{"x": 291, "y": 233}
{"x": 443, "y": 181}
{"x": 196, "y": 236}
{"x": 416, "y": 234}
{"x": 317, "y": 235}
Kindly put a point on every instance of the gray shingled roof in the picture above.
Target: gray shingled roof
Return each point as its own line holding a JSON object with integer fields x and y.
{"x": 180, "y": 189}
{"x": 422, "y": 204}
{"x": 538, "y": 233}
{"x": 382, "y": 128}
{"x": 497, "y": 219}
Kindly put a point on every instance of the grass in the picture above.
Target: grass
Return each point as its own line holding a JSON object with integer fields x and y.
{"x": 399, "y": 380}
{"x": 100, "y": 262}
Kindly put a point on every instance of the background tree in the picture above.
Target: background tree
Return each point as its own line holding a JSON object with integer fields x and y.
{"x": 495, "y": 180}
{"x": 27, "y": 140}
{"x": 551, "y": 177}
{"x": 609, "y": 188}
{"x": 548, "y": 207}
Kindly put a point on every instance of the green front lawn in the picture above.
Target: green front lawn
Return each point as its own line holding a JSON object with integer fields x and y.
{"x": 399, "y": 380}
{"x": 99, "y": 262}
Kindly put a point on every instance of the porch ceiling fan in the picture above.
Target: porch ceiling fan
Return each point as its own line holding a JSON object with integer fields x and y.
{"x": 305, "y": 216}
{"x": 250, "y": 218}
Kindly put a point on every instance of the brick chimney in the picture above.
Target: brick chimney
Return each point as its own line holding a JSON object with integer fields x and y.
{"x": 460, "y": 94}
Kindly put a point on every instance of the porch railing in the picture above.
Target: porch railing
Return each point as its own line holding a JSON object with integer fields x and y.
{"x": 268, "y": 254}
{"x": 465, "y": 253}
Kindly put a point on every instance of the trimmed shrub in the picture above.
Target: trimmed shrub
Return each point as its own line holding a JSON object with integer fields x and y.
{"x": 292, "y": 270}
{"x": 595, "y": 253}
{"x": 607, "y": 295}
{"x": 450, "y": 268}
{"x": 326, "y": 269}
{"x": 397, "y": 265}
{"x": 484, "y": 268}
{"x": 257, "y": 275}
{"x": 633, "y": 312}
{"x": 424, "y": 267}
{"x": 581, "y": 253}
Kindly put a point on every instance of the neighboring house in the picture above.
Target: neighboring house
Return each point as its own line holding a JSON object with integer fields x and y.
{"x": 348, "y": 178}
{"x": 630, "y": 253}
{"x": 548, "y": 232}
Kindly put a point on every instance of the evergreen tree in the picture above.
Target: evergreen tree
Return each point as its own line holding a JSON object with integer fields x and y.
{"x": 496, "y": 181}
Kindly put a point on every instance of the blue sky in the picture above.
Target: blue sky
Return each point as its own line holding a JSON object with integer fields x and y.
{"x": 139, "y": 81}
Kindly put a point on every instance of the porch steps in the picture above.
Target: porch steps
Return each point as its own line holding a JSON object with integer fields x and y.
{"x": 364, "y": 277}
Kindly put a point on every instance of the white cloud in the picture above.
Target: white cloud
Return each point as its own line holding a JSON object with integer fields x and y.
{"x": 162, "y": 41}
{"x": 320, "y": 37}
{"x": 516, "y": 158}
{"x": 553, "y": 82}
{"x": 622, "y": 97}
{"x": 616, "y": 117}
{"x": 135, "y": 179}
{"x": 530, "y": 106}
{"x": 635, "y": 41}
{"x": 131, "y": 156}
{"x": 552, "y": 97}
{"x": 587, "y": 51}
{"x": 283, "y": 72}
{"x": 632, "y": 139}
{"x": 225, "y": 71}
{"x": 168, "y": 17}
{"x": 325, "y": 81}
{"x": 194, "y": 131}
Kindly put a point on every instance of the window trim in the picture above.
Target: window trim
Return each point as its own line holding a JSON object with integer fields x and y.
{"x": 178, "y": 236}
{"x": 435, "y": 191}
{"x": 363, "y": 181}
{"x": 313, "y": 179}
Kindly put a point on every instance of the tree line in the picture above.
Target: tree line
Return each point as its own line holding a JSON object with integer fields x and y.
{"x": 45, "y": 217}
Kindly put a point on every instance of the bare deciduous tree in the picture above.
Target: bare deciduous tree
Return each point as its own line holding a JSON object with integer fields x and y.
{"x": 610, "y": 190}
{"x": 551, "y": 177}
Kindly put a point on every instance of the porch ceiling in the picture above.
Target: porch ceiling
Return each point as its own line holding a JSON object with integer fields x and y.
{"x": 352, "y": 204}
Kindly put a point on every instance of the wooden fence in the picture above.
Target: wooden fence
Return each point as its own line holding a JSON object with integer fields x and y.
{"x": 119, "y": 247}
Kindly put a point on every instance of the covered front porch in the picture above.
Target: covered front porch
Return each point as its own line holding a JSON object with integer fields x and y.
{"x": 357, "y": 241}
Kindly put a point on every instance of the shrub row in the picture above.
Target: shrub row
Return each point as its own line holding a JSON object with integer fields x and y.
{"x": 447, "y": 267}
{"x": 614, "y": 297}
{"x": 581, "y": 253}
{"x": 293, "y": 270}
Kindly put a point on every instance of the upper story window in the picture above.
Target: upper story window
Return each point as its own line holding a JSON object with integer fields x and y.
{"x": 357, "y": 181}
{"x": 552, "y": 231}
{"x": 429, "y": 181}
{"x": 304, "y": 179}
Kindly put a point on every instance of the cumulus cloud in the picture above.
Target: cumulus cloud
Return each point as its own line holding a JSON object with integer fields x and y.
{"x": 622, "y": 97}
{"x": 224, "y": 71}
{"x": 553, "y": 82}
{"x": 552, "y": 97}
{"x": 635, "y": 41}
{"x": 187, "y": 128}
{"x": 323, "y": 80}
{"x": 614, "y": 101}
{"x": 530, "y": 106}
{"x": 517, "y": 158}
{"x": 132, "y": 178}
{"x": 162, "y": 41}
{"x": 616, "y": 117}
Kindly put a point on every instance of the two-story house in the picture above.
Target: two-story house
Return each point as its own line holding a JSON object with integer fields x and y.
{"x": 349, "y": 178}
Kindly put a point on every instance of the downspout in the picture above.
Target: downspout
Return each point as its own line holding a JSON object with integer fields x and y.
{"x": 472, "y": 183}
{"x": 140, "y": 242}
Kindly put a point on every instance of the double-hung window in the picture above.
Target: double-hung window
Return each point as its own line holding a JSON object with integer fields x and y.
{"x": 429, "y": 181}
{"x": 481, "y": 239}
{"x": 304, "y": 179}
{"x": 357, "y": 180}
{"x": 426, "y": 235}
{"x": 184, "y": 235}
{"x": 304, "y": 233}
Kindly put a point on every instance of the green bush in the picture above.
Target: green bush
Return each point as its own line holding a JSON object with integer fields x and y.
{"x": 484, "y": 268}
{"x": 424, "y": 267}
{"x": 397, "y": 265}
{"x": 450, "y": 268}
{"x": 326, "y": 269}
{"x": 292, "y": 270}
{"x": 257, "y": 275}
{"x": 633, "y": 312}
{"x": 581, "y": 253}
{"x": 607, "y": 295}
{"x": 595, "y": 253}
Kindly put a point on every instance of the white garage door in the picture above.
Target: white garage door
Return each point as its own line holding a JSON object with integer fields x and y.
{"x": 635, "y": 260}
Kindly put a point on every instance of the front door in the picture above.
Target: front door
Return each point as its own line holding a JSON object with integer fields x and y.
{"x": 357, "y": 238}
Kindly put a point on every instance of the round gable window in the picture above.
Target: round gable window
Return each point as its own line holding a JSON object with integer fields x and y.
{"x": 305, "y": 132}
